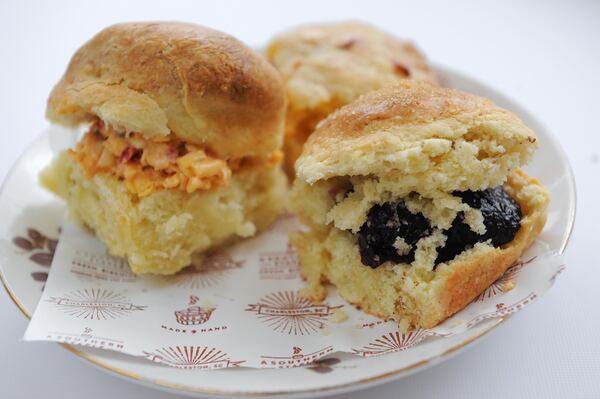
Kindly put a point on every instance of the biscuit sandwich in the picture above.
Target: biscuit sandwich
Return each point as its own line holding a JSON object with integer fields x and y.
{"x": 180, "y": 155}
{"x": 415, "y": 201}
{"x": 329, "y": 65}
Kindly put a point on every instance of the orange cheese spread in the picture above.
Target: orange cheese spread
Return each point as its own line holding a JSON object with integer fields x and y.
{"x": 148, "y": 165}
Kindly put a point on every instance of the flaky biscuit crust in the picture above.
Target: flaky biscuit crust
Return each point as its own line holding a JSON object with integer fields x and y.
{"x": 465, "y": 280}
{"x": 434, "y": 138}
{"x": 155, "y": 78}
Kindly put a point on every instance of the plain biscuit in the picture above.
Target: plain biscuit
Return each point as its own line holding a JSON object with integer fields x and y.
{"x": 325, "y": 66}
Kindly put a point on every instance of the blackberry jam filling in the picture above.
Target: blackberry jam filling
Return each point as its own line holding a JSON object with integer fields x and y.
{"x": 392, "y": 231}
{"x": 501, "y": 213}
{"x": 458, "y": 238}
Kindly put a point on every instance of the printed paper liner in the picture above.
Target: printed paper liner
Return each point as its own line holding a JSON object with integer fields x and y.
{"x": 240, "y": 308}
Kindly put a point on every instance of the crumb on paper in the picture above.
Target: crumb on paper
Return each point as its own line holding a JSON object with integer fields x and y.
{"x": 339, "y": 316}
{"x": 206, "y": 305}
{"x": 456, "y": 321}
{"x": 508, "y": 285}
{"x": 326, "y": 331}
{"x": 403, "y": 326}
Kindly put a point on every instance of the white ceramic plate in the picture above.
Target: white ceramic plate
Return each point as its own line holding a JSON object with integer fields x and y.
{"x": 30, "y": 224}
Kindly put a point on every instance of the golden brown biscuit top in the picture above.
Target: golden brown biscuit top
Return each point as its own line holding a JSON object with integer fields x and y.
{"x": 403, "y": 104}
{"x": 420, "y": 136}
{"x": 338, "y": 62}
{"x": 204, "y": 86}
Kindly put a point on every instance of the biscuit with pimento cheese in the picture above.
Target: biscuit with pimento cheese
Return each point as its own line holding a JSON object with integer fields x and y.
{"x": 182, "y": 148}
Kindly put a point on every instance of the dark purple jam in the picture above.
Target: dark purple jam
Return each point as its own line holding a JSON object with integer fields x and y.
{"x": 385, "y": 223}
{"x": 501, "y": 213}
{"x": 392, "y": 220}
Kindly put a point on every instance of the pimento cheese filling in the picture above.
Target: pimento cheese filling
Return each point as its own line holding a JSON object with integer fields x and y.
{"x": 149, "y": 165}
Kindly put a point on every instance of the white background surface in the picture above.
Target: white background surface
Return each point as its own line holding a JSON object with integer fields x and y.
{"x": 545, "y": 55}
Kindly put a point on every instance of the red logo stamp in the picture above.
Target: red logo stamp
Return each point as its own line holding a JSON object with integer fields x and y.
{"x": 95, "y": 304}
{"x": 376, "y": 323}
{"x": 296, "y": 358}
{"x": 392, "y": 342}
{"x": 503, "y": 310}
{"x": 193, "y": 315}
{"x": 210, "y": 273}
{"x": 181, "y": 330}
{"x": 102, "y": 267}
{"x": 192, "y": 357}
{"x": 287, "y": 312}
{"x": 279, "y": 265}
{"x": 86, "y": 338}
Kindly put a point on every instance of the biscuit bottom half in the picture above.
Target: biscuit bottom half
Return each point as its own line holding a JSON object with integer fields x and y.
{"x": 160, "y": 232}
{"x": 413, "y": 295}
